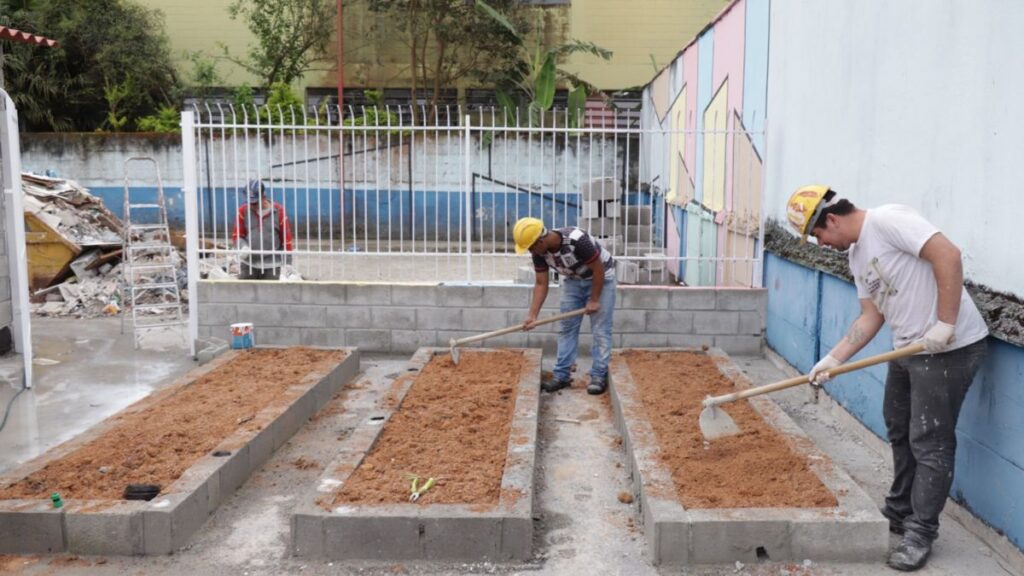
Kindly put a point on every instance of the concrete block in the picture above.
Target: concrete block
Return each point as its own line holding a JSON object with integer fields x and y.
{"x": 117, "y": 529}
{"x": 546, "y": 342}
{"x": 283, "y": 316}
{"x": 461, "y": 296}
{"x": 278, "y": 336}
{"x": 323, "y": 337}
{"x": 438, "y": 319}
{"x": 751, "y": 323}
{"x": 627, "y": 272}
{"x": 690, "y": 340}
{"x": 637, "y": 233}
{"x": 863, "y": 541}
{"x": 629, "y": 321}
{"x": 355, "y": 538}
{"x": 692, "y": 299}
{"x": 506, "y": 296}
{"x": 5, "y": 290}
{"x": 637, "y": 215}
{"x": 601, "y": 189}
{"x": 307, "y": 535}
{"x": 755, "y": 299}
{"x": 368, "y": 294}
{"x": 227, "y": 291}
{"x": 6, "y": 313}
{"x": 749, "y": 345}
{"x": 590, "y": 209}
{"x": 392, "y": 318}
{"x": 716, "y": 322}
{"x": 217, "y": 314}
{"x": 654, "y": 266}
{"x": 644, "y": 340}
{"x": 468, "y": 538}
{"x": 293, "y": 417}
{"x": 369, "y": 340}
{"x": 669, "y": 321}
{"x": 234, "y": 470}
{"x": 261, "y": 446}
{"x": 324, "y": 293}
{"x": 425, "y": 295}
{"x": 516, "y": 340}
{"x": 279, "y": 293}
{"x": 189, "y": 515}
{"x": 156, "y": 527}
{"x": 30, "y": 528}
{"x": 516, "y": 539}
{"x": 347, "y": 317}
{"x": 642, "y": 299}
{"x": 484, "y": 319}
{"x": 601, "y": 227}
{"x": 525, "y": 275}
{"x": 671, "y": 542}
{"x": 412, "y": 340}
{"x": 715, "y": 541}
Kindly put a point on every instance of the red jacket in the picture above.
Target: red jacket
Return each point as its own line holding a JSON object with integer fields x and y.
{"x": 242, "y": 228}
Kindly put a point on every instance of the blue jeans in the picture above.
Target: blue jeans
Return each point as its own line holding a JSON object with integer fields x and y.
{"x": 575, "y": 294}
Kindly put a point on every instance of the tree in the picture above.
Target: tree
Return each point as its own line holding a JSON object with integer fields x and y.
{"x": 105, "y": 45}
{"x": 536, "y": 74}
{"x": 291, "y": 35}
{"x": 450, "y": 41}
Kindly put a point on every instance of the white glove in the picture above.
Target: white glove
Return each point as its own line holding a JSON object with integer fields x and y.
{"x": 819, "y": 374}
{"x": 938, "y": 337}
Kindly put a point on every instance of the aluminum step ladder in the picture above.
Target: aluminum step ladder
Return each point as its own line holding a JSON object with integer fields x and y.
{"x": 150, "y": 262}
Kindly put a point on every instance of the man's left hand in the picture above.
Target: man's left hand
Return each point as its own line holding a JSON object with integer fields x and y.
{"x": 938, "y": 337}
{"x": 593, "y": 307}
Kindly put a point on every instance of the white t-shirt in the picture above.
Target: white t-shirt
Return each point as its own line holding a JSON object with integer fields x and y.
{"x": 887, "y": 269}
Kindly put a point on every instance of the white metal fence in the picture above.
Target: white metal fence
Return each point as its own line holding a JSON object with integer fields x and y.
{"x": 432, "y": 194}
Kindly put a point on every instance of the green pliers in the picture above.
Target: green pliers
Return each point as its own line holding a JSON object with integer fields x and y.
{"x": 418, "y": 489}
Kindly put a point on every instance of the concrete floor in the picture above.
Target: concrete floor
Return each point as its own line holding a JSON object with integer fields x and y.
{"x": 581, "y": 527}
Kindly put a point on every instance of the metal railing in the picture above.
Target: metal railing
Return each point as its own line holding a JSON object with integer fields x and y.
{"x": 432, "y": 194}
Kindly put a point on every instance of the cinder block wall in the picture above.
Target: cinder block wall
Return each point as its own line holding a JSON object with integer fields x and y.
{"x": 404, "y": 317}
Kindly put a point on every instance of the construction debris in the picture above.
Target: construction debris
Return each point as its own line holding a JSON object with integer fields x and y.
{"x": 84, "y": 276}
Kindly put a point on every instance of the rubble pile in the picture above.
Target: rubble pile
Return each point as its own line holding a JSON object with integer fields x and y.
{"x": 95, "y": 281}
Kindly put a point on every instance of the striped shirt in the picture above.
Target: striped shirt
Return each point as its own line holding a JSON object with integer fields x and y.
{"x": 571, "y": 260}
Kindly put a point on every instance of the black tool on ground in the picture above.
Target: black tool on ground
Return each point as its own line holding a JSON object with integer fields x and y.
{"x": 141, "y": 491}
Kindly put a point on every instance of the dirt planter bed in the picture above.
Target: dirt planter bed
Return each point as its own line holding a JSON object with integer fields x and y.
{"x": 768, "y": 493}
{"x": 199, "y": 439}
{"x": 473, "y": 427}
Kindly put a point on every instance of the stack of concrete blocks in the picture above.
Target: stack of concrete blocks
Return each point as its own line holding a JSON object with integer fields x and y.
{"x": 601, "y": 217}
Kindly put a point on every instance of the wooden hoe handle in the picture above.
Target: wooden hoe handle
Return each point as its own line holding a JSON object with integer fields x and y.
{"x": 517, "y": 327}
{"x": 841, "y": 369}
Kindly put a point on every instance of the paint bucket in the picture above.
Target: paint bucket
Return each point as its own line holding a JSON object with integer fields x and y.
{"x": 242, "y": 336}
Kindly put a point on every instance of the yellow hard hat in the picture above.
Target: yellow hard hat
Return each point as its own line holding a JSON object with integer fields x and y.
{"x": 804, "y": 207}
{"x": 526, "y": 232}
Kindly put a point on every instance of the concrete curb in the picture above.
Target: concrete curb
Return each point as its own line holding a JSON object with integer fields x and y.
{"x": 435, "y": 532}
{"x": 853, "y": 531}
{"x": 165, "y": 523}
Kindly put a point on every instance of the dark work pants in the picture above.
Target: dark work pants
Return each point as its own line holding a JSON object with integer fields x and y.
{"x": 923, "y": 395}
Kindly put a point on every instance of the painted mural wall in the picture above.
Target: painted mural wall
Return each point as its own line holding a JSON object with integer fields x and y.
{"x": 706, "y": 114}
{"x": 907, "y": 102}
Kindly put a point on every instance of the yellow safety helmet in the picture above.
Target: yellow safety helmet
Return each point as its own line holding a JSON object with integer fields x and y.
{"x": 804, "y": 207}
{"x": 526, "y": 232}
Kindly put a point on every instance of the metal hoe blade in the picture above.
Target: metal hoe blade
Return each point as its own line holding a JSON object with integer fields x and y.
{"x": 454, "y": 350}
{"x": 715, "y": 423}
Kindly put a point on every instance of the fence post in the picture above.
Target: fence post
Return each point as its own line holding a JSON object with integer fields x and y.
{"x": 17, "y": 251}
{"x": 188, "y": 149}
{"x": 469, "y": 198}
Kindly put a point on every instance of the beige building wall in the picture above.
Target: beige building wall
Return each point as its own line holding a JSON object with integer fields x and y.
{"x": 634, "y": 31}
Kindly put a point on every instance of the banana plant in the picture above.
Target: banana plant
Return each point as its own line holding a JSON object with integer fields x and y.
{"x": 538, "y": 73}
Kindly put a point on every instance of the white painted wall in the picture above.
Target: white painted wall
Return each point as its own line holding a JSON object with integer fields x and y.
{"x": 919, "y": 102}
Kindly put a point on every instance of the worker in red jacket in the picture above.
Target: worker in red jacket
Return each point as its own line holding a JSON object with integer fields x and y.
{"x": 263, "y": 234}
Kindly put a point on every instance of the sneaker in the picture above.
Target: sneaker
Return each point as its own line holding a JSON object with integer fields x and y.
{"x": 597, "y": 386}
{"x": 554, "y": 385}
{"x": 910, "y": 555}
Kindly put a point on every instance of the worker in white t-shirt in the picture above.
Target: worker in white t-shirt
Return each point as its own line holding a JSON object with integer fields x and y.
{"x": 910, "y": 275}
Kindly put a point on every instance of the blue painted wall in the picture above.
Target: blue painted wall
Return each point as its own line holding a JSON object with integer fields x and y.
{"x": 808, "y": 312}
{"x": 427, "y": 214}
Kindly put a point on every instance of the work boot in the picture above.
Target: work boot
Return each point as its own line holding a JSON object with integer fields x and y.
{"x": 554, "y": 385}
{"x": 597, "y": 386}
{"x": 910, "y": 555}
